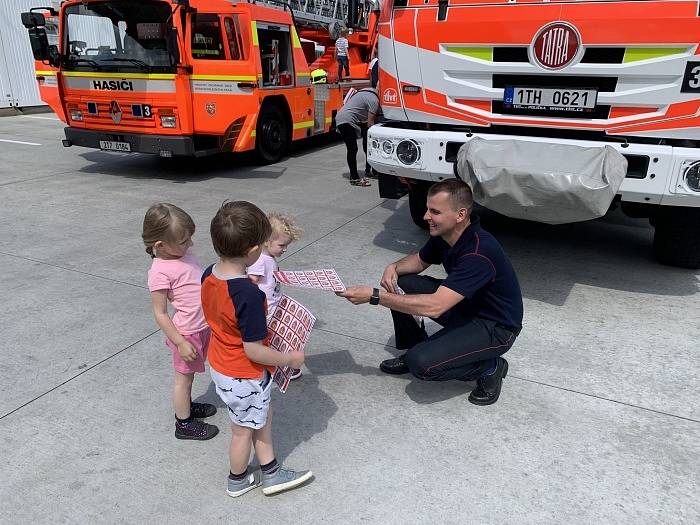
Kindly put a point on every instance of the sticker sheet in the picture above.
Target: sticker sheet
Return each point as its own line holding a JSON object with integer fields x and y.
{"x": 317, "y": 279}
{"x": 289, "y": 329}
{"x": 417, "y": 318}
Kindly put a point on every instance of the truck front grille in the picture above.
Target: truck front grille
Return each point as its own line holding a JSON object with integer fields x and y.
{"x": 104, "y": 117}
{"x": 591, "y": 55}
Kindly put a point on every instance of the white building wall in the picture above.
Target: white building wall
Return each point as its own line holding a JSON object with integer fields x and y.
{"x": 17, "y": 82}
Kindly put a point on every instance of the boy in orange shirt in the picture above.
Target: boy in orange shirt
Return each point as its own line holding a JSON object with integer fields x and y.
{"x": 241, "y": 363}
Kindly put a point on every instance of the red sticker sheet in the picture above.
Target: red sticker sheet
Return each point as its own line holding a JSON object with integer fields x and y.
{"x": 289, "y": 329}
{"x": 417, "y": 318}
{"x": 317, "y": 279}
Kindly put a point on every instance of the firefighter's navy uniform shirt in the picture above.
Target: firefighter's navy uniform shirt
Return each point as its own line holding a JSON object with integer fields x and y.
{"x": 478, "y": 268}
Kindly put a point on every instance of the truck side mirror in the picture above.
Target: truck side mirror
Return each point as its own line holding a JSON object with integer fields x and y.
{"x": 39, "y": 42}
{"x": 32, "y": 19}
{"x": 35, "y": 24}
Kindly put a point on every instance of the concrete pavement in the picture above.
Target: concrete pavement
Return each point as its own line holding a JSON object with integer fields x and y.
{"x": 598, "y": 419}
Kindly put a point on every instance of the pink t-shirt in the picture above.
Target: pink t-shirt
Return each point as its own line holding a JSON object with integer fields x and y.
{"x": 263, "y": 267}
{"x": 183, "y": 279}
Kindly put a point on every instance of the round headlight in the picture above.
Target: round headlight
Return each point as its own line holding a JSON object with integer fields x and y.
{"x": 375, "y": 144}
{"x": 388, "y": 147}
{"x": 408, "y": 152}
{"x": 692, "y": 176}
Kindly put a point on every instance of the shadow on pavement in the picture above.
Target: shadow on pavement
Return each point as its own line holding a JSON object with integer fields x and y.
{"x": 339, "y": 362}
{"x": 190, "y": 169}
{"x": 421, "y": 392}
{"x": 182, "y": 169}
{"x": 613, "y": 252}
{"x": 429, "y": 392}
{"x": 298, "y": 414}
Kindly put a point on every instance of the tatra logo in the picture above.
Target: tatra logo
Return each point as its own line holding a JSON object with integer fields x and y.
{"x": 390, "y": 95}
{"x": 113, "y": 85}
{"x": 556, "y": 45}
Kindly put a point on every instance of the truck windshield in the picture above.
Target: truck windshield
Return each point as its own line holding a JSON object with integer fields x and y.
{"x": 124, "y": 35}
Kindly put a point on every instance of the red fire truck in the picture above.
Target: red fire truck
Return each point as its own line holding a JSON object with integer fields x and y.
{"x": 195, "y": 77}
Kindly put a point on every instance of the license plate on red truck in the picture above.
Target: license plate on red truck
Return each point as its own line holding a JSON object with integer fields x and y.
{"x": 110, "y": 145}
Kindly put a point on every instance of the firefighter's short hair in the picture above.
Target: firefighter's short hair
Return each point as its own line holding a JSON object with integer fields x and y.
{"x": 459, "y": 191}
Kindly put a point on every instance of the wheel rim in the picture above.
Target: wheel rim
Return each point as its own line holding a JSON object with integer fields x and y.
{"x": 273, "y": 136}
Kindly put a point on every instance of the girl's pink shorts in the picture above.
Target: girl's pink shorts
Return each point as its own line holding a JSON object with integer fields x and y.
{"x": 200, "y": 341}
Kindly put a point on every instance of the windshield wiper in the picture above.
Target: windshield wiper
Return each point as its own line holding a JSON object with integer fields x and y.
{"x": 135, "y": 61}
{"x": 73, "y": 61}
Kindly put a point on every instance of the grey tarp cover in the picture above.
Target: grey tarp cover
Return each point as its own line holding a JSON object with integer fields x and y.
{"x": 552, "y": 183}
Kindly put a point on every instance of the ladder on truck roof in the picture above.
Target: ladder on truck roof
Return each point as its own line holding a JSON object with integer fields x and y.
{"x": 331, "y": 14}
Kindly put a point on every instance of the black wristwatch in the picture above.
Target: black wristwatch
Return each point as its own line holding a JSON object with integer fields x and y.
{"x": 375, "y": 296}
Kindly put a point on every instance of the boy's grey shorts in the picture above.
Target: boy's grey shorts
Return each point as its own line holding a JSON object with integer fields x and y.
{"x": 248, "y": 400}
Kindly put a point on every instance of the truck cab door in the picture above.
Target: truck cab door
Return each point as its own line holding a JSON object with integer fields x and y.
{"x": 224, "y": 76}
{"x": 46, "y": 75}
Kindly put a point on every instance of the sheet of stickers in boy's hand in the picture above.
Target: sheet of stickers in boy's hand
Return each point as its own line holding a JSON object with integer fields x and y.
{"x": 317, "y": 279}
{"x": 289, "y": 329}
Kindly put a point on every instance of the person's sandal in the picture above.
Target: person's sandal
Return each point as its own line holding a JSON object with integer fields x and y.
{"x": 364, "y": 181}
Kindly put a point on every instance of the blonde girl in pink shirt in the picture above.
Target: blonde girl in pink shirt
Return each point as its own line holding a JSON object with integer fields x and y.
{"x": 284, "y": 232}
{"x": 175, "y": 277}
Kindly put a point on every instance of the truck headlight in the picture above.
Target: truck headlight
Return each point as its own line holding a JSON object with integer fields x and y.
{"x": 76, "y": 114}
{"x": 692, "y": 176}
{"x": 168, "y": 121}
{"x": 408, "y": 152}
{"x": 375, "y": 144}
{"x": 388, "y": 147}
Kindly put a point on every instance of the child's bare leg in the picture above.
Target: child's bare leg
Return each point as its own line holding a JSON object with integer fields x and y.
{"x": 239, "y": 451}
{"x": 182, "y": 394}
{"x": 262, "y": 441}
{"x": 186, "y": 426}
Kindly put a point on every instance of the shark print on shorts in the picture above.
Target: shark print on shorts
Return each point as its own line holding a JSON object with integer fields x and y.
{"x": 248, "y": 400}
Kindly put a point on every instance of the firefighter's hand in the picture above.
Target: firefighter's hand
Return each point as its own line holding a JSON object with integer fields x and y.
{"x": 356, "y": 294}
{"x": 389, "y": 278}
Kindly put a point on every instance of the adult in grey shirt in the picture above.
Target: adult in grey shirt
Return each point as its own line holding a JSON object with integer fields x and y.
{"x": 352, "y": 121}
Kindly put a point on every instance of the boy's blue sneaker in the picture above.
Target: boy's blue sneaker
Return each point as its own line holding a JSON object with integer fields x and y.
{"x": 283, "y": 479}
{"x": 238, "y": 488}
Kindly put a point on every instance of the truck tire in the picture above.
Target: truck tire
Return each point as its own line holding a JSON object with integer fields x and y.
{"x": 676, "y": 239}
{"x": 272, "y": 137}
{"x": 417, "y": 197}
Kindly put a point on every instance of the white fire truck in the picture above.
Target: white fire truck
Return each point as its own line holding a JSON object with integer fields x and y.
{"x": 543, "y": 104}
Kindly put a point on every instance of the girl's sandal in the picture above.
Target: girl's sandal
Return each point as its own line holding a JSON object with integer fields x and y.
{"x": 364, "y": 181}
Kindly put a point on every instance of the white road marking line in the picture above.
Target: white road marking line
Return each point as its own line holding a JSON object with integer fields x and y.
{"x": 20, "y": 142}
{"x": 42, "y": 118}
